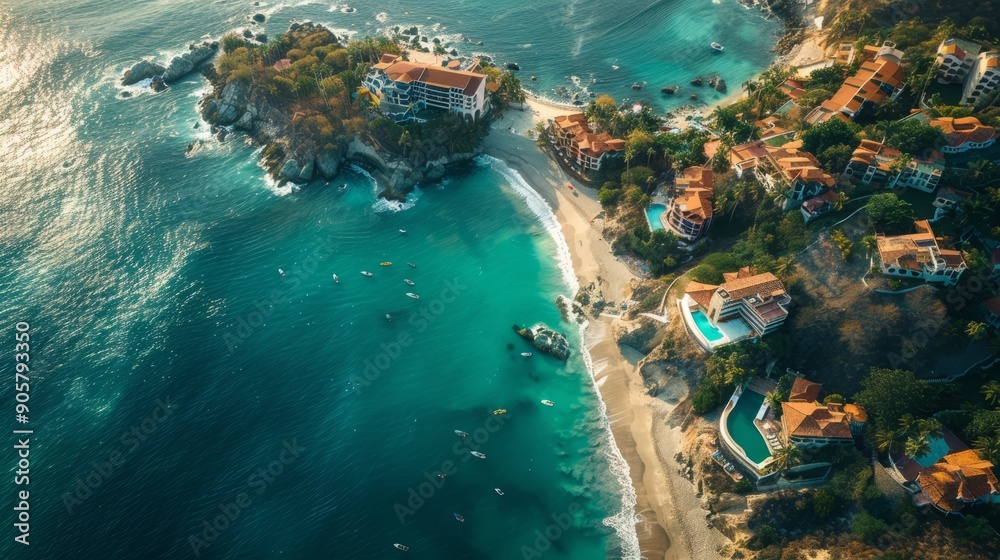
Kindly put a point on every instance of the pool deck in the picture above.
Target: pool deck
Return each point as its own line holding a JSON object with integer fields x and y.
{"x": 732, "y": 331}
{"x": 730, "y": 444}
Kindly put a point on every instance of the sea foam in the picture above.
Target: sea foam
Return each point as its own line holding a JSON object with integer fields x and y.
{"x": 624, "y": 521}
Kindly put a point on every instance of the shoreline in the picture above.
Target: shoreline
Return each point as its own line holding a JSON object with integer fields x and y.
{"x": 637, "y": 422}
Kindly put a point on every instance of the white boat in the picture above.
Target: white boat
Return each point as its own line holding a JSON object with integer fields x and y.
{"x": 366, "y": 273}
{"x": 412, "y": 265}
{"x": 402, "y": 547}
{"x": 281, "y": 272}
{"x": 526, "y": 354}
{"x": 547, "y": 402}
{"x": 614, "y": 67}
{"x": 403, "y": 231}
{"x": 410, "y": 282}
{"x": 336, "y": 279}
{"x": 717, "y": 46}
{"x": 412, "y": 295}
{"x": 344, "y": 186}
{"x": 499, "y": 491}
{"x": 478, "y": 454}
{"x": 460, "y": 433}
{"x": 388, "y": 317}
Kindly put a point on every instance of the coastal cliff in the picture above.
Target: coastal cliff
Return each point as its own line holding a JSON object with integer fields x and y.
{"x": 299, "y": 97}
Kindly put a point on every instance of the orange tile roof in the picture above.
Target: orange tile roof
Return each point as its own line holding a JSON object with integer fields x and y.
{"x": 765, "y": 284}
{"x": 962, "y": 130}
{"x": 903, "y": 250}
{"x": 701, "y": 293}
{"x": 809, "y": 419}
{"x": 406, "y": 72}
{"x": 958, "y": 478}
{"x": 696, "y": 186}
{"x": 575, "y": 126}
{"x": 804, "y": 391}
{"x": 864, "y": 86}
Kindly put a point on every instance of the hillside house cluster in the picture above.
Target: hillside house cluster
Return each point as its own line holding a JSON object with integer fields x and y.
{"x": 584, "y": 149}
{"x": 872, "y": 162}
{"x": 759, "y": 300}
{"x": 807, "y": 422}
{"x": 877, "y": 79}
{"x": 798, "y": 175}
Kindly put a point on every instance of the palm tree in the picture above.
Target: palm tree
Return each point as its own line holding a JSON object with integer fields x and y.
{"x": 785, "y": 458}
{"x": 929, "y": 427}
{"x": 773, "y": 399}
{"x": 888, "y": 441}
{"x": 988, "y": 448}
{"x": 991, "y": 392}
{"x": 785, "y": 266}
{"x": 917, "y": 446}
{"x": 842, "y": 199}
{"x": 975, "y": 330}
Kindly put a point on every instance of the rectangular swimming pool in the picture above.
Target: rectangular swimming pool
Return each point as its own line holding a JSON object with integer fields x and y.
{"x": 711, "y": 333}
{"x": 653, "y": 213}
{"x": 740, "y": 426}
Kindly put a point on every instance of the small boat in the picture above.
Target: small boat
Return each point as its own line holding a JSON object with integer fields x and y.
{"x": 366, "y": 273}
{"x": 402, "y": 547}
{"x": 717, "y": 46}
{"x": 614, "y": 67}
{"x": 460, "y": 433}
{"x": 547, "y": 402}
{"x": 410, "y": 282}
{"x": 403, "y": 231}
{"x": 412, "y": 295}
{"x": 388, "y": 317}
{"x": 336, "y": 279}
{"x": 499, "y": 411}
{"x": 412, "y": 265}
{"x": 526, "y": 354}
{"x": 343, "y": 187}
{"x": 385, "y": 263}
{"x": 281, "y": 272}
{"x": 478, "y": 454}
{"x": 459, "y": 518}
{"x": 499, "y": 491}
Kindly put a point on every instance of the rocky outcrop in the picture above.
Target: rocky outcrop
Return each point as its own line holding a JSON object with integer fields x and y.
{"x": 229, "y": 106}
{"x": 366, "y": 155}
{"x": 142, "y": 70}
{"x": 328, "y": 164}
{"x": 546, "y": 340}
{"x": 188, "y": 61}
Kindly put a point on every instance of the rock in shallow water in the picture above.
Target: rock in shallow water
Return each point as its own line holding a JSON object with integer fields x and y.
{"x": 142, "y": 70}
{"x": 547, "y": 340}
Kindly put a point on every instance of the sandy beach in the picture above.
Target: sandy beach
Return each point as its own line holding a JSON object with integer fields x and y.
{"x": 670, "y": 523}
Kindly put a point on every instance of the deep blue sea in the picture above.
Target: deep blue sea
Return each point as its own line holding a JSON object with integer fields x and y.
{"x": 188, "y": 401}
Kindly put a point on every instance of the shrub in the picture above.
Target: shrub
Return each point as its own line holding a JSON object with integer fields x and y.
{"x": 867, "y": 527}
{"x": 706, "y": 274}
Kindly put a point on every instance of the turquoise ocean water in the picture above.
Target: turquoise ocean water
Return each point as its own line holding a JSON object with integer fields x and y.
{"x": 180, "y": 382}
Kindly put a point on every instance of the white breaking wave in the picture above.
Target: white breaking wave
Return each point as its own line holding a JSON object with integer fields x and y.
{"x": 624, "y": 521}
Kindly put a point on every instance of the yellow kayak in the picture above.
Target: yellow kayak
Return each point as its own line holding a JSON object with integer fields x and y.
{"x": 500, "y": 411}
{"x": 386, "y": 263}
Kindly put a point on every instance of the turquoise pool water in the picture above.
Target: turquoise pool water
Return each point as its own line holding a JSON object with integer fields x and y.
{"x": 653, "y": 213}
{"x": 711, "y": 333}
{"x": 741, "y": 428}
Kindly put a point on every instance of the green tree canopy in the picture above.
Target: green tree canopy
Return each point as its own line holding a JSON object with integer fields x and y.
{"x": 888, "y": 394}
{"x": 888, "y": 212}
{"x": 830, "y": 133}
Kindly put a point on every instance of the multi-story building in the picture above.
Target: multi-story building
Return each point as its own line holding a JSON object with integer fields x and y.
{"x": 873, "y": 162}
{"x": 983, "y": 78}
{"x": 919, "y": 255}
{"x": 964, "y": 134}
{"x": 689, "y": 214}
{"x": 585, "y": 150}
{"x": 398, "y": 83}
{"x": 759, "y": 300}
{"x": 877, "y": 80}
{"x": 798, "y": 175}
{"x": 955, "y": 58}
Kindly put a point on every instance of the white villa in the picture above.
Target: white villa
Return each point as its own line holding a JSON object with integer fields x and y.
{"x": 747, "y": 304}
{"x": 401, "y": 84}
{"x": 918, "y": 255}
